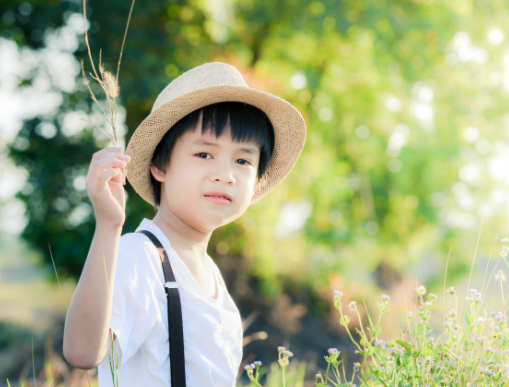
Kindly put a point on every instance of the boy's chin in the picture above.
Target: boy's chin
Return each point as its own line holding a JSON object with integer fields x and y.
{"x": 218, "y": 223}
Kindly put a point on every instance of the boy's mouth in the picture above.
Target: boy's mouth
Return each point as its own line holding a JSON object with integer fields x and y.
{"x": 218, "y": 197}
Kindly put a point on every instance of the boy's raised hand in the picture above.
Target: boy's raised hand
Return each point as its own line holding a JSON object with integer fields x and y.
{"x": 104, "y": 183}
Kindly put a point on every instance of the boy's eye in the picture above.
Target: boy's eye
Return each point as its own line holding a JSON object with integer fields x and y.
{"x": 243, "y": 162}
{"x": 203, "y": 155}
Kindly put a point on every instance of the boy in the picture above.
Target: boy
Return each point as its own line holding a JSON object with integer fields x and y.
{"x": 210, "y": 147}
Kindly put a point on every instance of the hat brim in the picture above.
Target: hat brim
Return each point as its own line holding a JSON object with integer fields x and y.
{"x": 289, "y": 134}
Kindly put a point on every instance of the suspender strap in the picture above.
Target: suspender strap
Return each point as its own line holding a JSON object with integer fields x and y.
{"x": 175, "y": 327}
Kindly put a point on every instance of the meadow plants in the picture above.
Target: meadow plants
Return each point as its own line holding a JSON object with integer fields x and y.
{"x": 469, "y": 347}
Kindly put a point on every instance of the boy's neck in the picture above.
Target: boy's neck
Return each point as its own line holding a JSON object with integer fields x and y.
{"x": 184, "y": 239}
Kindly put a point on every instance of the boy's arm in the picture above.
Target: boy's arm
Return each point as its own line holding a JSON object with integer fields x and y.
{"x": 86, "y": 332}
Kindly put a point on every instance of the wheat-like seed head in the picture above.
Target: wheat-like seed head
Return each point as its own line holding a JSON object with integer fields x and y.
{"x": 110, "y": 84}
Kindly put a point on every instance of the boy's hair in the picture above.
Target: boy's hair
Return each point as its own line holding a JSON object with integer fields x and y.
{"x": 247, "y": 123}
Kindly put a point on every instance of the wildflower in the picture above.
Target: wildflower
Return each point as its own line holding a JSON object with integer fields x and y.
{"x": 352, "y": 305}
{"x": 474, "y": 296}
{"x": 487, "y": 371}
{"x": 249, "y": 369}
{"x": 480, "y": 320}
{"x": 490, "y": 350}
{"x": 383, "y": 305}
{"x": 429, "y": 360}
{"x": 451, "y": 290}
{"x": 427, "y": 304}
{"x": 318, "y": 378}
{"x": 453, "y": 313}
{"x": 333, "y": 355}
{"x": 500, "y": 317}
{"x": 410, "y": 314}
{"x": 447, "y": 324}
{"x": 356, "y": 366}
{"x": 337, "y": 299}
{"x": 504, "y": 240}
{"x": 500, "y": 276}
{"x": 257, "y": 363}
{"x": 421, "y": 290}
{"x": 378, "y": 343}
{"x": 431, "y": 338}
{"x": 281, "y": 349}
{"x": 284, "y": 357}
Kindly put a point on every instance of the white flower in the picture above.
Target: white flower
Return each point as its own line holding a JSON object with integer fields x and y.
{"x": 500, "y": 276}
{"x": 421, "y": 290}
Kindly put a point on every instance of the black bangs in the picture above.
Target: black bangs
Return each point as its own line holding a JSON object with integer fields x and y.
{"x": 247, "y": 124}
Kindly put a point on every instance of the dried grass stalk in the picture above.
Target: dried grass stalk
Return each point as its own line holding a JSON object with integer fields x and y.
{"x": 105, "y": 79}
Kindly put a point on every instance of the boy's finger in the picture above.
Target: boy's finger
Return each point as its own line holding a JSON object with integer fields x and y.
{"x": 118, "y": 178}
{"x": 108, "y": 174}
{"x": 102, "y": 164}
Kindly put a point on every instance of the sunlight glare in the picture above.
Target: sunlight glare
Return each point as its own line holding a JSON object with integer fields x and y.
{"x": 292, "y": 218}
{"x": 495, "y": 36}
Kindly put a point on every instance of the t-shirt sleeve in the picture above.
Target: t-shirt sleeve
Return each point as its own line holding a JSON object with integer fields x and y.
{"x": 133, "y": 314}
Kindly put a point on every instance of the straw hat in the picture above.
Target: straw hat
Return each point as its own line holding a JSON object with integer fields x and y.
{"x": 206, "y": 85}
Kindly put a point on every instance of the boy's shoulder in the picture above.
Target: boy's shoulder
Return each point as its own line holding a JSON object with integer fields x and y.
{"x": 132, "y": 240}
{"x": 137, "y": 259}
{"x": 133, "y": 247}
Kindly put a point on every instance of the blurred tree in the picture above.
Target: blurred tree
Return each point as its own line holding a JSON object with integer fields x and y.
{"x": 404, "y": 102}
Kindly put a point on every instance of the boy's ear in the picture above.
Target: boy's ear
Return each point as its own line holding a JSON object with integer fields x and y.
{"x": 158, "y": 174}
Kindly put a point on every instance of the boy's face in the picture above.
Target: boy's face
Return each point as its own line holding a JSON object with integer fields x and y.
{"x": 209, "y": 181}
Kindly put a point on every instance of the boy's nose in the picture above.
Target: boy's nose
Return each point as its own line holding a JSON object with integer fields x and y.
{"x": 223, "y": 175}
{"x": 226, "y": 179}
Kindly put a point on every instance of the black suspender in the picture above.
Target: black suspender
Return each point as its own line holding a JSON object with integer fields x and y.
{"x": 175, "y": 327}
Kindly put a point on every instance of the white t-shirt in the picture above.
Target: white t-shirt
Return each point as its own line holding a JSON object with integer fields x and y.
{"x": 212, "y": 327}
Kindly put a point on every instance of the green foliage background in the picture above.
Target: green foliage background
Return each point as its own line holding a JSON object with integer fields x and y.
{"x": 388, "y": 89}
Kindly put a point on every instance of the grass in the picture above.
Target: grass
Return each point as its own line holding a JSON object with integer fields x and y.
{"x": 471, "y": 347}
{"x": 26, "y": 295}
